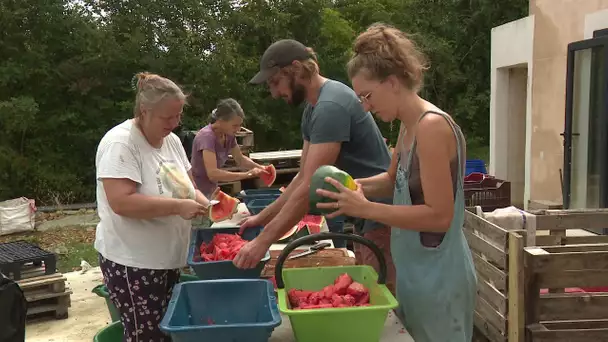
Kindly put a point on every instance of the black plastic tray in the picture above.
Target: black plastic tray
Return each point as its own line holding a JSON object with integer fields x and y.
{"x": 14, "y": 255}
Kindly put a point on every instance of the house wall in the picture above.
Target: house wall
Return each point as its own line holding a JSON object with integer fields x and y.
{"x": 510, "y": 105}
{"x": 556, "y": 24}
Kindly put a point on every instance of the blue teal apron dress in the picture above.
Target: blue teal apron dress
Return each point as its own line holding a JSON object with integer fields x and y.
{"x": 436, "y": 287}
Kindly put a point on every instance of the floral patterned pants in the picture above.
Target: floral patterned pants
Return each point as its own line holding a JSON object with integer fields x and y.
{"x": 141, "y": 296}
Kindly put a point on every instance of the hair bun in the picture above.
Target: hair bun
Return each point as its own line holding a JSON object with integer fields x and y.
{"x": 140, "y": 79}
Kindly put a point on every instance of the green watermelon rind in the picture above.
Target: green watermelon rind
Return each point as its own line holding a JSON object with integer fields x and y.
{"x": 318, "y": 182}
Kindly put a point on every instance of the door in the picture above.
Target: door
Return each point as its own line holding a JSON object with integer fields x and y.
{"x": 585, "y": 176}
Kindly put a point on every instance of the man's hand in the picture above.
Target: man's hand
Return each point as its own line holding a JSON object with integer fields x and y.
{"x": 249, "y": 222}
{"x": 251, "y": 254}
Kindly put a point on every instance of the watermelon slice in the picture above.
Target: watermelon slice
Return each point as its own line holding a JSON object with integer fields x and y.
{"x": 269, "y": 176}
{"x": 225, "y": 209}
{"x": 314, "y": 223}
{"x": 310, "y": 224}
{"x": 289, "y": 234}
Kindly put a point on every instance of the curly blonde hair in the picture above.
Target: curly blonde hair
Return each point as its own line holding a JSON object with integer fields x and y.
{"x": 383, "y": 50}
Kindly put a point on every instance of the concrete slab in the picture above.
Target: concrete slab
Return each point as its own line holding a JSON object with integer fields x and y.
{"x": 86, "y": 220}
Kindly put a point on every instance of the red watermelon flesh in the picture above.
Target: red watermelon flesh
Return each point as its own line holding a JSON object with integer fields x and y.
{"x": 221, "y": 247}
{"x": 225, "y": 209}
{"x": 269, "y": 176}
{"x": 314, "y": 223}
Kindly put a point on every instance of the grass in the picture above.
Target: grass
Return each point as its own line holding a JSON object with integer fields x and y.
{"x": 71, "y": 244}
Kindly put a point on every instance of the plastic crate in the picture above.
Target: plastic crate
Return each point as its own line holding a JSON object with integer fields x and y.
{"x": 247, "y": 196}
{"x": 228, "y": 310}
{"x": 475, "y": 165}
{"x": 222, "y": 269}
{"x": 267, "y": 191}
{"x": 14, "y": 255}
{"x": 490, "y": 194}
{"x": 358, "y": 323}
{"x": 102, "y": 291}
{"x": 257, "y": 205}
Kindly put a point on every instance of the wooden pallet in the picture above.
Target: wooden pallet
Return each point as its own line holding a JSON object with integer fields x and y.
{"x": 32, "y": 271}
{"x": 46, "y": 294}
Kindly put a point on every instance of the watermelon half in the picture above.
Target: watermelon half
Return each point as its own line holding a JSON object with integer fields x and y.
{"x": 269, "y": 176}
{"x": 225, "y": 209}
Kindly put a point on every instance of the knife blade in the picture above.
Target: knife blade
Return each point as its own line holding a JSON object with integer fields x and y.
{"x": 312, "y": 250}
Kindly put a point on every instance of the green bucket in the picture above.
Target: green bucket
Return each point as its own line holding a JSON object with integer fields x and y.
{"x": 102, "y": 291}
{"x": 354, "y": 324}
{"x": 111, "y": 333}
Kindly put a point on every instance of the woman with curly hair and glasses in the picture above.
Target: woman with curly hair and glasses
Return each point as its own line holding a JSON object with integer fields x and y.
{"x": 436, "y": 280}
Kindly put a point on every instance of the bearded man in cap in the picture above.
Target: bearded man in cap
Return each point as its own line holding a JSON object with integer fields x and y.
{"x": 336, "y": 131}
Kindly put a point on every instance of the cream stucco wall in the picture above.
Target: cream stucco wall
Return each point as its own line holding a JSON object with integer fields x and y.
{"x": 557, "y": 23}
{"x": 510, "y": 105}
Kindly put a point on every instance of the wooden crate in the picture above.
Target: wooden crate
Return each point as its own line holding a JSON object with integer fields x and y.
{"x": 506, "y": 285}
{"x": 244, "y": 137}
{"x": 561, "y": 317}
{"x": 558, "y": 222}
{"x": 497, "y": 254}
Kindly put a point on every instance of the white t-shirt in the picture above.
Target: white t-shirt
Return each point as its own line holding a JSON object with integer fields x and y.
{"x": 160, "y": 243}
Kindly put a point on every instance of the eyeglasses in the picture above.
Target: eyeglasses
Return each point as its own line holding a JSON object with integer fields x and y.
{"x": 366, "y": 97}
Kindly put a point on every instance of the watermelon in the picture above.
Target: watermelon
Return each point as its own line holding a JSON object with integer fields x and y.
{"x": 310, "y": 224}
{"x": 288, "y": 234}
{"x": 318, "y": 182}
{"x": 225, "y": 209}
{"x": 269, "y": 176}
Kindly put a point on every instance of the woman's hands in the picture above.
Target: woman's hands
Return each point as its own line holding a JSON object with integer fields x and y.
{"x": 255, "y": 172}
{"x": 189, "y": 209}
{"x": 347, "y": 202}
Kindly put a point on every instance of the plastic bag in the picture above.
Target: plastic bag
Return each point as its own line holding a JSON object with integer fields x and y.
{"x": 14, "y": 311}
{"x": 17, "y": 215}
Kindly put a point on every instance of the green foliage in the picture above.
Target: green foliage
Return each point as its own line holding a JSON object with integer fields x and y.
{"x": 66, "y": 69}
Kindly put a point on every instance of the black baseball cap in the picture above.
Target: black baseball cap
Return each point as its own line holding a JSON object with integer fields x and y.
{"x": 278, "y": 55}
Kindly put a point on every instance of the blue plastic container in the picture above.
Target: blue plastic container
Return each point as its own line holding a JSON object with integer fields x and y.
{"x": 257, "y": 205}
{"x": 222, "y": 269}
{"x": 267, "y": 191}
{"x": 229, "y": 310}
{"x": 475, "y": 165}
{"x": 248, "y": 198}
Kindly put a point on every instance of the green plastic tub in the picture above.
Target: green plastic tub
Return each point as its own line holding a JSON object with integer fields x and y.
{"x": 112, "y": 333}
{"x": 102, "y": 291}
{"x": 356, "y": 324}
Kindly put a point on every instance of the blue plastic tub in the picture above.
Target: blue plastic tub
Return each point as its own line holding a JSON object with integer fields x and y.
{"x": 266, "y": 191}
{"x": 248, "y": 198}
{"x": 222, "y": 269}
{"x": 257, "y": 205}
{"x": 235, "y": 310}
{"x": 475, "y": 165}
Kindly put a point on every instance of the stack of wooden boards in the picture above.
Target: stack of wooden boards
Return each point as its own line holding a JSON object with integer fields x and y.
{"x": 46, "y": 295}
{"x": 33, "y": 269}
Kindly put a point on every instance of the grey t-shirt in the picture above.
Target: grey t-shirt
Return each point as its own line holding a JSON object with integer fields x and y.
{"x": 338, "y": 116}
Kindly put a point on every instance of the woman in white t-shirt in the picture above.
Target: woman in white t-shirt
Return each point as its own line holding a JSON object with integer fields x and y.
{"x": 146, "y": 198}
